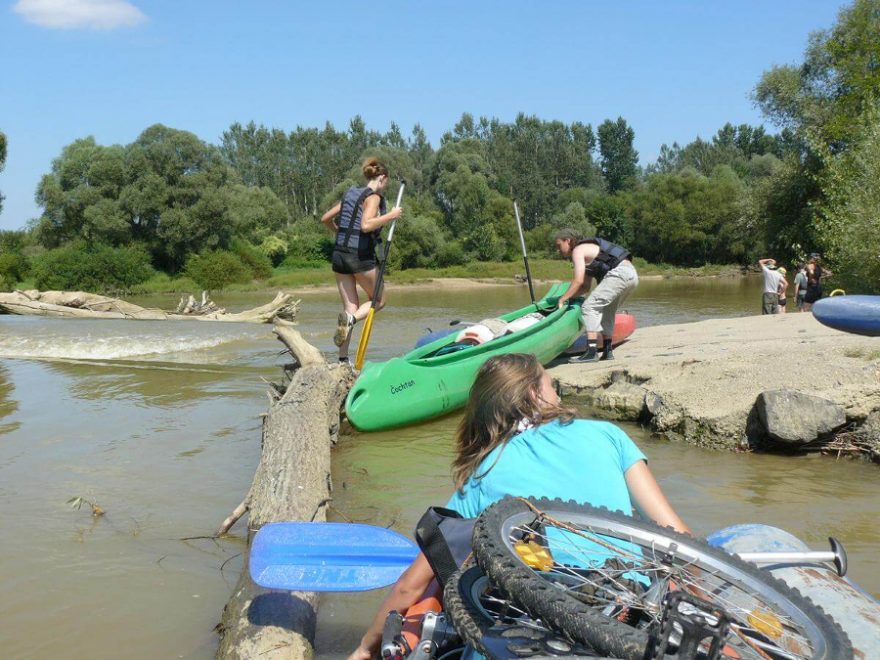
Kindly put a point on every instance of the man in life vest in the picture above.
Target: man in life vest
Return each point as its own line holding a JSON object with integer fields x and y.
{"x": 616, "y": 277}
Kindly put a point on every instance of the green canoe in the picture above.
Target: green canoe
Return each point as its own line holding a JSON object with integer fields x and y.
{"x": 421, "y": 385}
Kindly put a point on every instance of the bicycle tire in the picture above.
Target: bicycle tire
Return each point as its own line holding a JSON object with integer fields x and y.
{"x": 543, "y": 600}
{"x": 488, "y": 633}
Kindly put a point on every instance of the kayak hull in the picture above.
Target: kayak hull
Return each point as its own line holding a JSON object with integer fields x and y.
{"x": 624, "y": 326}
{"x": 857, "y": 314}
{"x": 419, "y": 386}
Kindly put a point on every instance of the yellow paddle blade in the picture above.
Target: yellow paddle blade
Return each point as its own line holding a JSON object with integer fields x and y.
{"x": 365, "y": 339}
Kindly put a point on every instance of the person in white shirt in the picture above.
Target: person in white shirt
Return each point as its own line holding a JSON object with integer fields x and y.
{"x": 772, "y": 282}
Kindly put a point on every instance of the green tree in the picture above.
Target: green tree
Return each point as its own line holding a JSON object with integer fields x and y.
{"x": 827, "y": 105}
{"x": 216, "y": 269}
{"x": 167, "y": 190}
{"x": 838, "y": 81}
{"x": 850, "y": 227}
{"x": 92, "y": 267}
{"x": 619, "y": 157}
{"x": 688, "y": 219}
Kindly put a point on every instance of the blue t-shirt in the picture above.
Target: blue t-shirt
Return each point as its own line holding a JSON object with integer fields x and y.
{"x": 582, "y": 461}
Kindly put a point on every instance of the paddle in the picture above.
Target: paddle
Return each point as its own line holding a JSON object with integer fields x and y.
{"x": 377, "y": 292}
{"x": 302, "y": 556}
{"x": 310, "y": 556}
{"x": 522, "y": 242}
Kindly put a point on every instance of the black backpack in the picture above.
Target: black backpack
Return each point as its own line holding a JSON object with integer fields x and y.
{"x": 444, "y": 537}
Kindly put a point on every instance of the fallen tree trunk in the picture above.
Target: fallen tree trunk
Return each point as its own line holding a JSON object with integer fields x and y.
{"x": 292, "y": 482}
{"x": 81, "y": 305}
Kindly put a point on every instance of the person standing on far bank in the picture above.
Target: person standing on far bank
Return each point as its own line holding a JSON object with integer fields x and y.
{"x": 772, "y": 282}
{"x": 783, "y": 289}
{"x": 357, "y": 222}
{"x": 815, "y": 274}
{"x": 615, "y": 278}
{"x": 800, "y": 286}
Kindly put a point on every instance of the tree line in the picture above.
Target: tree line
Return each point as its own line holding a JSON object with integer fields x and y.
{"x": 171, "y": 202}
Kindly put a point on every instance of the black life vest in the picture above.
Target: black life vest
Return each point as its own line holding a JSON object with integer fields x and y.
{"x": 609, "y": 257}
{"x": 349, "y": 236}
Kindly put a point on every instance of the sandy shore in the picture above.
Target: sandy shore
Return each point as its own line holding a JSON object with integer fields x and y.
{"x": 439, "y": 283}
{"x": 470, "y": 283}
{"x": 700, "y": 381}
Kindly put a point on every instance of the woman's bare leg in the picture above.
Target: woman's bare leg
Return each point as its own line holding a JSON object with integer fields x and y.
{"x": 367, "y": 281}
{"x": 350, "y": 304}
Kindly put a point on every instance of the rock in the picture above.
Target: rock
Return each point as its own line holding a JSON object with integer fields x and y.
{"x": 870, "y": 431}
{"x": 622, "y": 400}
{"x": 664, "y": 418}
{"x": 795, "y": 418}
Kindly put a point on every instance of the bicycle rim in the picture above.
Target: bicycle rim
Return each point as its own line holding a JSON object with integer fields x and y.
{"x": 495, "y": 626}
{"x": 587, "y": 599}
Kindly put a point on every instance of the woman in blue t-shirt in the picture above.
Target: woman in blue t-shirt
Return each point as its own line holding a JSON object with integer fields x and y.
{"x": 516, "y": 439}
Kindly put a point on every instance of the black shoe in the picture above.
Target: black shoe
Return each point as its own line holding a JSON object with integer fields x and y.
{"x": 590, "y": 356}
{"x": 607, "y": 355}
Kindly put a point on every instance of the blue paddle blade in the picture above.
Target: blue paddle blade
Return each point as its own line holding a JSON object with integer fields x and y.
{"x": 303, "y": 556}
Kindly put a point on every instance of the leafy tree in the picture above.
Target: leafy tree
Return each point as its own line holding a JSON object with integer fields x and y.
{"x": 101, "y": 268}
{"x": 619, "y": 157}
{"x": 275, "y": 248}
{"x": 837, "y": 82}
{"x": 252, "y": 257}
{"x": 850, "y": 230}
{"x": 255, "y": 212}
{"x": 217, "y": 269}
{"x": 828, "y": 105}
{"x": 689, "y": 219}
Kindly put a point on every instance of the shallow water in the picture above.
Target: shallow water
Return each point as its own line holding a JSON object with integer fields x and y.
{"x": 158, "y": 423}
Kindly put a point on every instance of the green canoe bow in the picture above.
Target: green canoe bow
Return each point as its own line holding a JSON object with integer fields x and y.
{"x": 417, "y": 387}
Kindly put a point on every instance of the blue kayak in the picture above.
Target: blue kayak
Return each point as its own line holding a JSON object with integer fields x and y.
{"x": 857, "y": 314}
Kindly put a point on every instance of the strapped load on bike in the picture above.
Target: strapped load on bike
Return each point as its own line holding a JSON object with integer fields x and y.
{"x": 547, "y": 578}
{"x": 552, "y": 578}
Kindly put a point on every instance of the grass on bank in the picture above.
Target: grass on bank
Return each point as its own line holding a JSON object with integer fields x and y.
{"x": 321, "y": 274}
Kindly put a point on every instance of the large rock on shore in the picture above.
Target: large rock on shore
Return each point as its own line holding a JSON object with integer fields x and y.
{"x": 699, "y": 382}
{"x": 794, "y": 418}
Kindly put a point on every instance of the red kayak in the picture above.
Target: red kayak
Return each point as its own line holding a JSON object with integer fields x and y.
{"x": 624, "y": 326}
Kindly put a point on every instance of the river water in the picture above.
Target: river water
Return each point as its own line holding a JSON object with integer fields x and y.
{"x": 158, "y": 424}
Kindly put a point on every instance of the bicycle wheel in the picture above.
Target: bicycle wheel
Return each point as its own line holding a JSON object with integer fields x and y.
{"x": 617, "y": 567}
{"x": 496, "y": 627}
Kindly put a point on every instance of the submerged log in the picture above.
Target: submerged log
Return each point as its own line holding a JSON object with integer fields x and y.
{"x": 292, "y": 482}
{"x": 78, "y": 304}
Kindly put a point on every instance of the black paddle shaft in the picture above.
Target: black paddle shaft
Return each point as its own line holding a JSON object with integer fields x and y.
{"x": 522, "y": 241}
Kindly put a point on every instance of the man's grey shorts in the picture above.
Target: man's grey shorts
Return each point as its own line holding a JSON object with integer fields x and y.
{"x": 600, "y": 307}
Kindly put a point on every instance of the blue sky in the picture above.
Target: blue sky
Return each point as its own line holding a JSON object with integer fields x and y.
{"x": 110, "y": 68}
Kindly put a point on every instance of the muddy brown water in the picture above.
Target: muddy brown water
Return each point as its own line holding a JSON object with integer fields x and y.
{"x": 158, "y": 423}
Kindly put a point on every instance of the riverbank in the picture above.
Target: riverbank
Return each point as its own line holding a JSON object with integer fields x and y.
{"x": 320, "y": 277}
{"x": 724, "y": 383}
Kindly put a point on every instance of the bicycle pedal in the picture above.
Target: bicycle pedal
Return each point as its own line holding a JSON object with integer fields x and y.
{"x": 690, "y": 627}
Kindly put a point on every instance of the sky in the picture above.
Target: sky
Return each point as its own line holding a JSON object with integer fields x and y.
{"x": 674, "y": 70}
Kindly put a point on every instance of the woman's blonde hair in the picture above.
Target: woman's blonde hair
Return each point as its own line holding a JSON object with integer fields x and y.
{"x": 373, "y": 168}
{"x": 505, "y": 393}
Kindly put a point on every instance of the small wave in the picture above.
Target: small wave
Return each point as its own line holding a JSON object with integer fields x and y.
{"x": 107, "y": 347}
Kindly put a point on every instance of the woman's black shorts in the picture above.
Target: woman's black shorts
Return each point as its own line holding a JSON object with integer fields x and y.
{"x": 348, "y": 263}
{"x": 813, "y": 294}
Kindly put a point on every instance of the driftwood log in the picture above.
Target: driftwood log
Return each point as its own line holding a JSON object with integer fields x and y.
{"x": 82, "y": 305}
{"x": 292, "y": 482}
